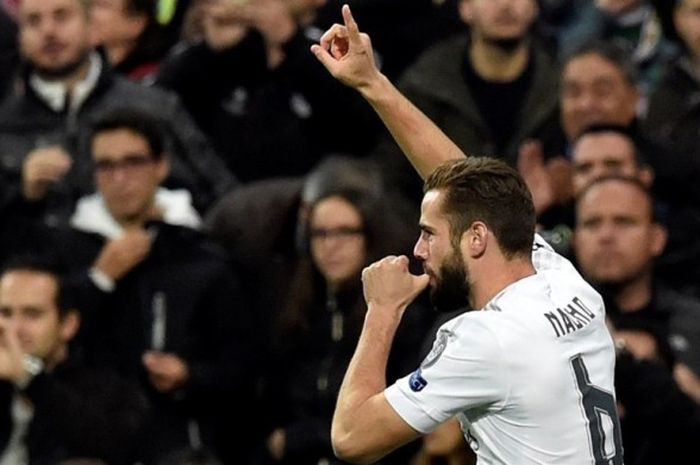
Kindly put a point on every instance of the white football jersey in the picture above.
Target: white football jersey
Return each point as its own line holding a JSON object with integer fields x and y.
{"x": 530, "y": 376}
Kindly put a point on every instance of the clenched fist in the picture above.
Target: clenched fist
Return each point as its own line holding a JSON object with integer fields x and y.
{"x": 388, "y": 282}
{"x": 121, "y": 255}
{"x": 42, "y": 168}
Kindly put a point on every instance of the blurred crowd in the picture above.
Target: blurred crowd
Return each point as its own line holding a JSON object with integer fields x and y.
{"x": 188, "y": 198}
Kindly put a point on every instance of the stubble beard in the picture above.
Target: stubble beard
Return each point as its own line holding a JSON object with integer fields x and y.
{"x": 64, "y": 71}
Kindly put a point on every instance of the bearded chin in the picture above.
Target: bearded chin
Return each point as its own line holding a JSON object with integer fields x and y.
{"x": 451, "y": 292}
{"x": 508, "y": 45}
{"x": 63, "y": 71}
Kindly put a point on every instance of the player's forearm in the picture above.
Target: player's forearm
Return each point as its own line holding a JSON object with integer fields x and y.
{"x": 365, "y": 380}
{"x": 423, "y": 143}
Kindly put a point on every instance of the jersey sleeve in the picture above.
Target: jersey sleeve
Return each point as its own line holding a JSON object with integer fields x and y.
{"x": 462, "y": 371}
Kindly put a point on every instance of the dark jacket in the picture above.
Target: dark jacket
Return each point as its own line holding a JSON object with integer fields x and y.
{"x": 26, "y": 122}
{"x": 674, "y": 108}
{"x": 187, "y": 281}
{"x": 79, "y": 412}
{"x": 9, "y": 56}
{"x": 268, "y": 122}
{"x": 660, "y": 424}
{"x": 671, "y": 123}
{"x": 436, "y": 84}
{"x": 672, "y": 318}
{"x": 309, "y": 366}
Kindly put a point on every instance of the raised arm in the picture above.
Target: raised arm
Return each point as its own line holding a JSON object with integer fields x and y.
{"x": 347, "y": 55}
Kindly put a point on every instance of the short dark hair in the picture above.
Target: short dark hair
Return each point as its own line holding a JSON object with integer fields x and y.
{"x": 613, "y": 51}
{"x": 135, "y": 120}
{"x": 628, "y": 180}
{"x": 42, "y": 265}
{"x": 487, "y": 189}
{"x": 625, "y": 131}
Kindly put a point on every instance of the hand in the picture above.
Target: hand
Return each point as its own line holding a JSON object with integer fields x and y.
{"x": 641, "y": 344}
{"x": 561, "y": 172}
{"x": 276, "y": 443}
{"x": 41, "y": 168}
{"x": 347, "y": 54}
{"x": 687, "y": 380}
{"x": 534, "y": 172}
{"x": 121, "y": 255}
{"x": 166, "y": 371}
{"x": 11, "y": 354}
{"x": 389, "y": 283}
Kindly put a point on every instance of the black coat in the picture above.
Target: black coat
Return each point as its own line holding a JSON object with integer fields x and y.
{"x": 268, "y": 122}
{"x": 207, "y": 324}
{"x": 79, "y": 412}
{"x": 309, "y": 365}
{"x": 660, "y": 424}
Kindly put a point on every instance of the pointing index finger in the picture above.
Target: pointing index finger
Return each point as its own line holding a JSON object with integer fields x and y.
{"x": 351, "y": 25}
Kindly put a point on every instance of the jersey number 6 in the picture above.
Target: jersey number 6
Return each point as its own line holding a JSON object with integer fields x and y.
{"x": 601, "y": 413}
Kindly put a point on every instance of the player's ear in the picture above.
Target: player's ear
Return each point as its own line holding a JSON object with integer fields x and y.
{"x": 475, "y": 239}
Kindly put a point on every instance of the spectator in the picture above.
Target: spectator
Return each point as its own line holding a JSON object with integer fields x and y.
{"x": 53, "y": 406}
{"x": 617, "y": 241}
{"x": 599, "y": 150}
{"x": 253, "y": 87}
{"x": 673, "y": 108}
{"x": 131, "y": 36}
{"x": 632, "y": 23}
{"x": 318, "y": 329}
{"x": 65, "y": 85}
{"x": 262, "y": 226}
{"x": 489, "y": 90}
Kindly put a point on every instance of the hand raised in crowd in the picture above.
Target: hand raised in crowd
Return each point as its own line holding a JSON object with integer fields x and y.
{"x": 389, "y": 283}
{"x": 549, "y": 181}
{"x": 347, "y": 54}
{"x": 43, "y": 167}
{"x": 121, "y": 255}
{"x": 534, "y": 171}
{"x": 11, "y": 354}
{"x": 167, "y": 372}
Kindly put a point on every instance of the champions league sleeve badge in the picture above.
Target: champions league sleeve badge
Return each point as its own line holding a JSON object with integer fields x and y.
{"x": 416, "y": 381}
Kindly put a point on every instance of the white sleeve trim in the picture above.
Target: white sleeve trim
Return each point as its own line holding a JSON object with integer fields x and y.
{"x": 411, "y": 413}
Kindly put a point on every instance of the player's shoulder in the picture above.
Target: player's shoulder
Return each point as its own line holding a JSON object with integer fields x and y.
{"x": 471, "y": 330}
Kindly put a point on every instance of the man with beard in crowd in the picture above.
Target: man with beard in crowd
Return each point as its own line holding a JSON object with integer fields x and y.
{"x": 489, "y": 90}
{"x": 529, "y": 375}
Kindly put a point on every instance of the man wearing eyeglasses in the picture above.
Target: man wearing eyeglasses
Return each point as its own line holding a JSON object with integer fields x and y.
{"x": 161, "y": 304}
